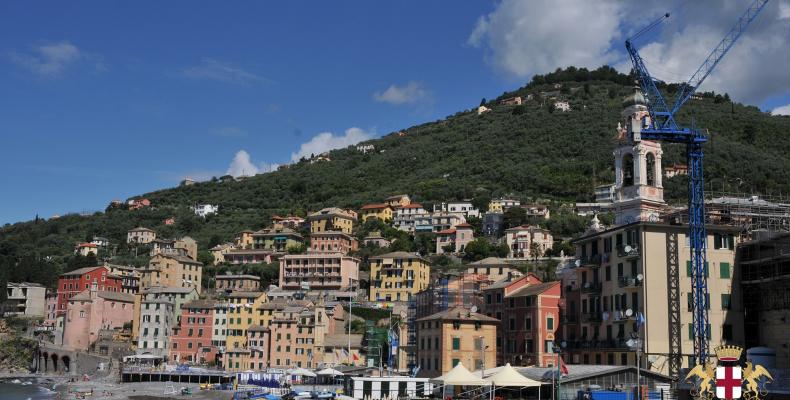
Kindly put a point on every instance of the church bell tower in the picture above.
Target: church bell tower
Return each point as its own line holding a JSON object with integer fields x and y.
{"x": 639, "y": 194}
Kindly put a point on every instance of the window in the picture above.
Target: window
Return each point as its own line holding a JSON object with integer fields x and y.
{"x": 688, "y": 269}
{"x": 548, "y": 346}
{"x": 608, "y": 271}
{"x": 528, "y": 324}
{"x": 512, "y": 323}
{"x": 724, "y": 270}
{"x": 620, "y": 270}
{"x": 456, "y": 344}
{"x": 628, "y": 170}
{"x": 549, "y": 322}
{"x": 726, "y": 301}
{"x": 651, "y": 169}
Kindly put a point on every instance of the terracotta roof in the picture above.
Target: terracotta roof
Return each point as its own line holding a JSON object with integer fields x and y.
{"x": 199, "y": 304}
{"x": 446, "y": 232}
{"x": 464, "y": 225}
{"x": 81, "y": 271}
{"x": 399, "y": 254}
{"x": 162, "y": 289}
{"x": 86, "y": 245}
{"x": 412, "y": 205}
{"x": 240, "y": 294}
{"x": 531, "y": 290}
{"x": 459, "y": 313}
{"x": 253, "y": 277}
{"x": 375, "y": 206}
{"x": 114, "y": 296}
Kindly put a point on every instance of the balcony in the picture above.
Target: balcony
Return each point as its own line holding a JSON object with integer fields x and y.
{"x": 629, "y": 282}
{"x": 591, "y": 288}
{"x": 593, "y": 261}
{"x": 592, "y": 317}
{"x": 628, "y": 251}
{"x": 598, "y": 344}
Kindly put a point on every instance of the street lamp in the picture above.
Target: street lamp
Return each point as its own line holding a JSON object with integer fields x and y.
{"x": 558, "y": 351}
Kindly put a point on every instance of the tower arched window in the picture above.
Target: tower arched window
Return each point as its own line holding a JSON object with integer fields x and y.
{"x": 651, "y": 169}
{"x": 628, "y": 170}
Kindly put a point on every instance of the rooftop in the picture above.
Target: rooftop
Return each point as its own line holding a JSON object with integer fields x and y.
{"x": 253, "y": 277}
{"x": 532, "y": 290}
{"x": 399, "y": 254}
{"x": 113, "y": 296}
{"x": 80, "y": 271}
{"x": 375, "y": 206}
{"x": 459, "y": 313}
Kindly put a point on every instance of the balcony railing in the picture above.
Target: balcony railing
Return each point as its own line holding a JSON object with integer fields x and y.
{"x": 591, "y": 287}
{"x": 628, "y": 251}
{"x": 593, "y": 261}
{"x": 591, "y": 317}
{"x": 629, "y": 281}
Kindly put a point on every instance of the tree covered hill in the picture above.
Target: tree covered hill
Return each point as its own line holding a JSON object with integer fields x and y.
{"x": 531, "y": 151}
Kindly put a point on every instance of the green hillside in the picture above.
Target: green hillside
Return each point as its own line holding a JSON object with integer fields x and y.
{"x": 531, "y": 151}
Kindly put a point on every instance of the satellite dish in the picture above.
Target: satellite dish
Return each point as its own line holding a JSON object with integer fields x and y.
{"x": 627, "y": 249}
{"x": 629, "y": 312}
{"x": 473, "y": 309}
{"x": 640, "y": 277}
{"x": 578, "y": 262}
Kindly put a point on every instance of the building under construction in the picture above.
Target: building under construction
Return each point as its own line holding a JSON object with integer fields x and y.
{"x": 764, "y": 267}
{"x": 450, "y": 290}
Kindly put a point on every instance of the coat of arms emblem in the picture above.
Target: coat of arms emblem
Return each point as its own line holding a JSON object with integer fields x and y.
{"x": 728, "y": 380}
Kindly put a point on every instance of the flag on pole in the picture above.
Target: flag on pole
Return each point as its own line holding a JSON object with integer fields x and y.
{"x": 563, "y": 367}
{"x": 356, "y": 357}
{"x": 640, "y": 320}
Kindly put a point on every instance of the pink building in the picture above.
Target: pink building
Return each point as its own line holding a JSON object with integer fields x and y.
{"x": 333, "y": 241}
{"x": 319, "y": 271}
{"x": 258, "y": 344}
{"x": 191, "y": 339}
{"x": 93, "y": 310}
{"x": 458, "y": 236}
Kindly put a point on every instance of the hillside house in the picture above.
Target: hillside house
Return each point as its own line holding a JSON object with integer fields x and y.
{"x": 675, "y": 170}
{"x": 562, "y": 106}
{"x": 382, "y": 212}
{"x": 204, "y": 210}
{"x": 290, "y": 221}
{"x": 455, "y": 239}
{"x": 365, "y": 148}
{"x": 482, "y": 109}
{"x": 136, "y": 204}
{"x": 100, "y": 241}
{"x": 511, "y": 101}
{"x": 84, "y": 249}
{"x": 405, "y": 216}
{"x": 332, "y": 219}
{"x": 399, "y": 200}
{"x": 140, "y": 235}
{"x": 461, "y": 207}
{"x": 520, "y": 241}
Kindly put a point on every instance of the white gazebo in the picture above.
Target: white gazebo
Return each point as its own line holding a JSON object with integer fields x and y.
{"x": 459, "y": 376}
{"x": 508, "y": 376}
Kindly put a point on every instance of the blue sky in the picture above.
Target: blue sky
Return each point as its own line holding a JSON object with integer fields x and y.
{"x": 105, "y": 100}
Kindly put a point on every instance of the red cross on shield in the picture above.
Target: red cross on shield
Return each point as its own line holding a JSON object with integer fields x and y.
{"x": 728, "y": 382}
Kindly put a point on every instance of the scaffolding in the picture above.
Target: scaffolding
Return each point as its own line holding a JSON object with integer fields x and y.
{"x": 750, "y": 213}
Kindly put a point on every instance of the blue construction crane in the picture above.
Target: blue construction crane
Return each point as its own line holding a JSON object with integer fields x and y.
{"x": 662, "y": 126}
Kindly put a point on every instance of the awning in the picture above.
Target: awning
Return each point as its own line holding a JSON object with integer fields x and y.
{"x": 329, "y": 372}
{"x": 508, "y": 376}
{"x": 301, "y": 372}
{"x": 460, "y": 376}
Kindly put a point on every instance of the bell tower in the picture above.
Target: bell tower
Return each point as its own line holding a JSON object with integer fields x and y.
{"x": 639, "y": 194}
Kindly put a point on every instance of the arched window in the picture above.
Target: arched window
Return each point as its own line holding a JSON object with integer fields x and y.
{"x": 651, "y": 169}
{"x": 628, "y": 170}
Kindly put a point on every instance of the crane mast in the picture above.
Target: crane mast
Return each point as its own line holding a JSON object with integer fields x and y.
{"x": 662, "y": 127}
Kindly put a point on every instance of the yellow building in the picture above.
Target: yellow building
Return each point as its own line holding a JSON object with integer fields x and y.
{"x": 244, "y": 239}
{"x": 298, "y": 333}
{"x": 398, "y": 276}
{"x": 242, "y": 314}
{"x": 499, "y": 206}
{"x": 382, "y": 212}
{"x": 172, "y": 270}
{"x": 456, "y": 335}
{"x": 332, "y": 219}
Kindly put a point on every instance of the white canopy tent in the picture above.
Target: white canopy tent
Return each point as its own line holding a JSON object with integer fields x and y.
{"x": 329, "y": 372}
{"x": 459, "y": 376}
{"x": 508, "y": 376}
{"x": 301, "y": 372}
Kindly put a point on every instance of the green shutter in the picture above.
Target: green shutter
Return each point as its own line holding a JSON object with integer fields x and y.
{"x": 455, "y": 362}
{"x": 456, "y": 344}
{"x": 689, "y": 301}
{"x": 725, "y": 301}
{"x": 707, "y": 270}
{"x": 709, "y": 333}
{"x": 707, "y": 301}
{"x": 691, "y": 331}
{"x": 688, "y": 268}
{"x": 549, "y": 323}
{"x": 724, "y": 270}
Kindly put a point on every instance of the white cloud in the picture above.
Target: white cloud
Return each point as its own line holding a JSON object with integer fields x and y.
{"x": 326, "y": 141}
{"x": 242, "y": 165}
{"x": 212, "y": 69}
{"x": 49, "y": 60}
{"x": 782, "y": 110}
{"x": 410, "y": 93}
{"x": 522, "y": 38}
